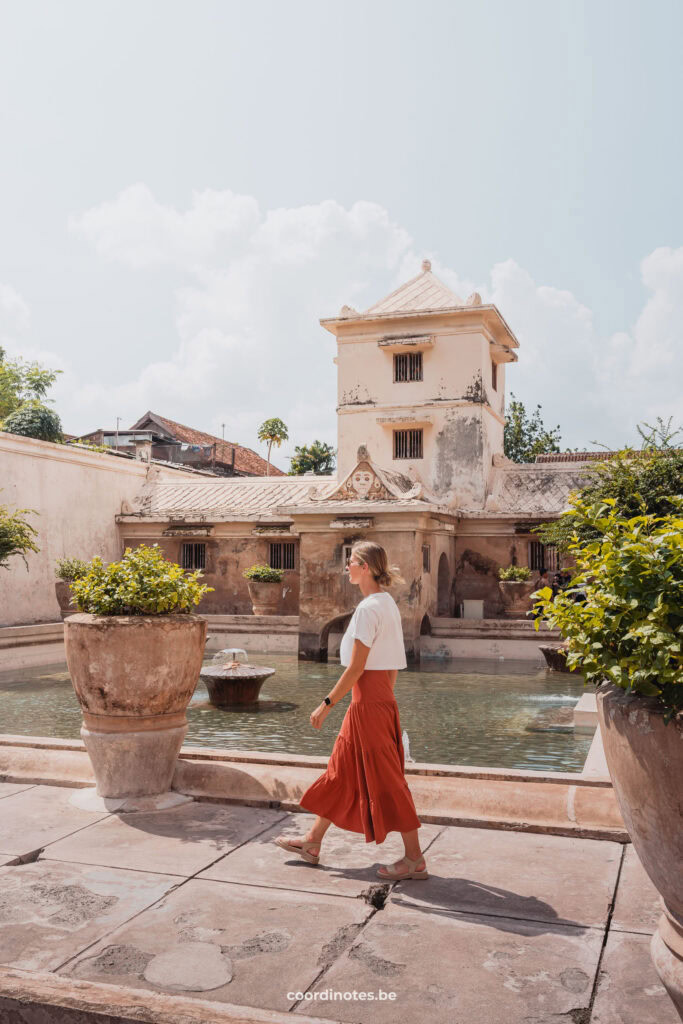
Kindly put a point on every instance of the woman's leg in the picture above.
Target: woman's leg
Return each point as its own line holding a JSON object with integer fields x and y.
{"x": 315, "y": 834}
{"x": 411, "y": 843}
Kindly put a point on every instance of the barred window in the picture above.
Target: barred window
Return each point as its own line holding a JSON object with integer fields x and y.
{"x": 426, "y": 558}
{"x": 543, "y": 556}
{"x": 282, "y": 555}
{"x": 407, "y": 366}
{"x": 193, "y": 556}
{"x": 407, "y": 444}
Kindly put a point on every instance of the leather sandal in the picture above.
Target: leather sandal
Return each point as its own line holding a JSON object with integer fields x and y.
{"x": 394, "y": 876}
{"x": 302, "y": 850}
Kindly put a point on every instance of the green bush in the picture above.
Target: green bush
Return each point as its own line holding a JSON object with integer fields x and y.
{"x": 622, "y": 613}
{"x": 263, "y": 574}
{"x": 70, "y": 569}
{"x": 32, "y": 419}
{"x": 16, "y": 535}
{"x": 515, "y": 573}
{"x": 142, "y": 583}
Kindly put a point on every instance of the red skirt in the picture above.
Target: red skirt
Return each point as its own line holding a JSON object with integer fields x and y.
{"x": 364, "y": 787}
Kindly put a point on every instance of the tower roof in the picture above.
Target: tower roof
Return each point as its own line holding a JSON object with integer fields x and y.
{"x": 425, "y": 291}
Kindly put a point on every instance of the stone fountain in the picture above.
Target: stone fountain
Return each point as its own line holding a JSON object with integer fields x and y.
{"x": 231, "y": 681}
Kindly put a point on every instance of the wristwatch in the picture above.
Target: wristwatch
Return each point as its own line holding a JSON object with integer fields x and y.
{"x": 328, "y": 701}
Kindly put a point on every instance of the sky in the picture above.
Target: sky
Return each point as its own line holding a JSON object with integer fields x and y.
{"x": 186, "y": 188}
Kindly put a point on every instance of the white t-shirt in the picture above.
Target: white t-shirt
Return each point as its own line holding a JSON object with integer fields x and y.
{"x": 376, "y": 622}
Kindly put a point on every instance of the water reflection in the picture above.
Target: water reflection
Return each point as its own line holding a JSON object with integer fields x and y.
{"x": 457, "y": 712}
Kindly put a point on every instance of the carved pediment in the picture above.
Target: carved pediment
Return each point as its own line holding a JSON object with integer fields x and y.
{"x": 363, "y": 484}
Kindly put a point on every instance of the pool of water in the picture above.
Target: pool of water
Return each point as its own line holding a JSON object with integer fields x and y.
{"x": 469, "y": 713}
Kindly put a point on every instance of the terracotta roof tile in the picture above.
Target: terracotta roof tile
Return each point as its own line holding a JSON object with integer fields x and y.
{"x": 246, "y": 460}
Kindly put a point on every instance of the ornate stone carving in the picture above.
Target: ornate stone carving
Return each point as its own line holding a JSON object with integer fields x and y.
{"x": 362, "y": 485}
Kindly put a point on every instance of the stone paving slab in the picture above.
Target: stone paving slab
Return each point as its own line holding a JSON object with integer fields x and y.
{"x": 242, "y": 944}
{"x": 449, "y": 970}
{"x": 347, "y": 865}
{"x": 49, "y": 911}
{"x": 629, "y": 989}
{"x": 637, "y": 907}
{"x": 514, "y": 874}
{"x": 10, "y": 788}
{"x": 179, "y": 841}
{"x": 39, "y": 816}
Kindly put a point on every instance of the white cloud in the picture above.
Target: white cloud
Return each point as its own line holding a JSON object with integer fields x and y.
{"x": 254, "y": 284}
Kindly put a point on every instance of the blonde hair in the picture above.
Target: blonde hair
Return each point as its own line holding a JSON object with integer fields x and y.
{"x": 375, "y": 557}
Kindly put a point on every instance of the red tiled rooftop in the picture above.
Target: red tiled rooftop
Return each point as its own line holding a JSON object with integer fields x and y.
{"x": 246, "y": 460}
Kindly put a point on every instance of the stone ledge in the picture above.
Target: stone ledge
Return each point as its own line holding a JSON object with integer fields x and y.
{"x": 35, "y": 997}
{"x": 559, "y": 803}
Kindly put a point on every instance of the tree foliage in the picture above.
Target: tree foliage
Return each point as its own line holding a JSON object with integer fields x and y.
{"x": 142, "y": 583}
{"x": 16, "y": 535}
{"x": 274, "y": 431}
{"x": 641, "y": 482}
{"x": 21, "y": 382}
{"x": 32, "y": 419}
{"x": 622, "y": 614}
{"x": 525, "y": 436}
{"x": 315, "y": 458}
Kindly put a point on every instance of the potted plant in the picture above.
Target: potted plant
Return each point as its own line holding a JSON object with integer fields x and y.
{"x": 134, "y": 653}
{"x": 265, "y": 588}
{"x": 67, "y": 570}
{"x": 622, "y": 618}
{"x": 515, "y": 590}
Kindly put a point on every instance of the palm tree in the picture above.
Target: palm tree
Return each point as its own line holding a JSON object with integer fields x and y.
{"x": 273, "y": 431}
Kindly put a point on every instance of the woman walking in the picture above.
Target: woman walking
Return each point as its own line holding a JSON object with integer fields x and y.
{"x": 364, "y": 788}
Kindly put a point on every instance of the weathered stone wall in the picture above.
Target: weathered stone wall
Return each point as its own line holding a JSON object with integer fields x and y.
{"x": 328, "y": 599}
{"x": 455, "y": 405}
{"x": 76, "y": 495}
{"x": 478, "y": 558}
{"x": 229, "y": 550}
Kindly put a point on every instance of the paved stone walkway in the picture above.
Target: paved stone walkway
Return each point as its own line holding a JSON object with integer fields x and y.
{"x": 198, "y": 902}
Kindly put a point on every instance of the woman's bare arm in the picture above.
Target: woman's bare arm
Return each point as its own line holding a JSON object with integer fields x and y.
{"x": 352, "y": 673}
{"x": 347, "y": 679}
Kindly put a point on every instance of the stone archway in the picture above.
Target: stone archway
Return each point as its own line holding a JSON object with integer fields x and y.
{"x": 337, "y": 624}
{"x": 443, "y": 592}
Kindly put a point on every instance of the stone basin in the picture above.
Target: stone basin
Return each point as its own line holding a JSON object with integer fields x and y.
{"x": 555, "y": 657}
{"x": 234, "y": 686}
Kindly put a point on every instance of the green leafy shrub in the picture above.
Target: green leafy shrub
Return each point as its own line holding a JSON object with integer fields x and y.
{"x": 70, "y": 569}
{"x": 622, "y": 613}
{"x": 515, "y": 573}
{"x": 642, "y": 482}
{"x": 142, "y": 583}
{"x": 34, "y": 420}
{"x": 16, "y": 535}
{"x": 263, "y": 574}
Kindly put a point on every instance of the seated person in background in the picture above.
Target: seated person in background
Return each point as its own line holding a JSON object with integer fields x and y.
{"x": 543, "y": 579}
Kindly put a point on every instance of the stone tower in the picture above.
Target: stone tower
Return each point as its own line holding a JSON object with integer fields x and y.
{"x": 421, "y": 383}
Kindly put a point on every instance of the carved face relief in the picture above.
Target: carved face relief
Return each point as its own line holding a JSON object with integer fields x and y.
{"x": 362, "y": 482}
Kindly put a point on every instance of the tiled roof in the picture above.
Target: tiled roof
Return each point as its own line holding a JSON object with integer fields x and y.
{"x": 422, "y": 292}
{"x": 532, "y": 491}
{"x": 246, "y": 460}
{"x": 575, "y": 457}
{"x": 234, "y": 497}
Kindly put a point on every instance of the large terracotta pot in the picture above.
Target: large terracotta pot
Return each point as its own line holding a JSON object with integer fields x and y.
{"x": 265, "y": 597}
{"x": 516, "y": 597}
{"x": 66, "y": 605}
{"x": 645, "y": 761}
{"x": 134, "y": 677}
